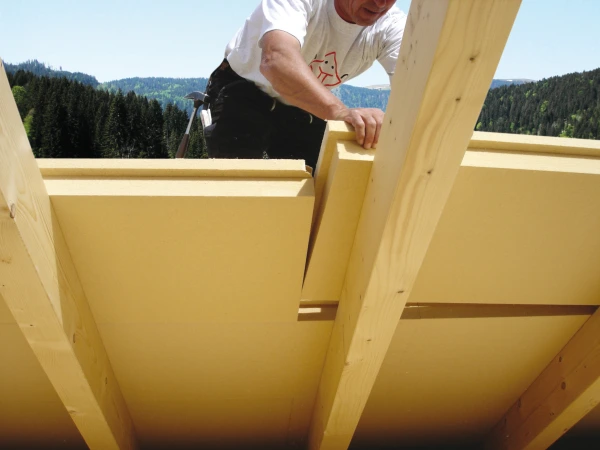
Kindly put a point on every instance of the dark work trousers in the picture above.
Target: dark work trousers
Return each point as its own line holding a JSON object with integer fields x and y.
{"x": 249, "y": 124}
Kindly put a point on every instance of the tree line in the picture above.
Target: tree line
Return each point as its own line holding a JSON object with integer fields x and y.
{"x": 565, "y": 106}
{"x": 165, "y": 90}
{"x": 68, "y": 119}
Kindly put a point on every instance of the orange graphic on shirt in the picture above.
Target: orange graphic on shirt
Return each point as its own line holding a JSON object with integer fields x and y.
{"x": 326, "y": 70}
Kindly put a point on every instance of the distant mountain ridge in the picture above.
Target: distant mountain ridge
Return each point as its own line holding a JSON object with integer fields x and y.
{"x": 172, "y": 90}
{"x": 360, "y": 97}
{"x": 496, "y": 83}
{"x": 377, "y": 96}
{"x": 165, "y": 90}
{"x": 42, "y": 70}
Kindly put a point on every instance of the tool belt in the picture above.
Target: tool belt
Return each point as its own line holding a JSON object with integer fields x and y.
{"x": 224, "y": 83}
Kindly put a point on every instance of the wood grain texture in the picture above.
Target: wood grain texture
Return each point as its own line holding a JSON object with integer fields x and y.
{"x": 31, "y": 414}
{"x": 447, "y": 60}
{"x": 566, "y": 390}
{"x": 333, "y": 231}
{"x": 42, "y": 290}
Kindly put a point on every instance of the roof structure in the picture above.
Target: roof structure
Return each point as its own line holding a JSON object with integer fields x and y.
{"x": 439, "y": 291}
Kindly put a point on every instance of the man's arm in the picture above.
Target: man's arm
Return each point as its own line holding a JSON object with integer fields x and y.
{"x": 283, "y": 66}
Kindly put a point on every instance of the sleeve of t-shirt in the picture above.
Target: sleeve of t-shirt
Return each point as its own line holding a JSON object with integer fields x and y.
{"x": 392, "y": 38}
{"x": 290, "y": 16}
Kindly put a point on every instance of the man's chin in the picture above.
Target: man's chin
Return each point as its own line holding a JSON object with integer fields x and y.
{"x": 366, "y": 18}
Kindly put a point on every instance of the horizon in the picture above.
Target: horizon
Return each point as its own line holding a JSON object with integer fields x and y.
{"x": 188, "y": 78}
{"x": 147, "y": 34}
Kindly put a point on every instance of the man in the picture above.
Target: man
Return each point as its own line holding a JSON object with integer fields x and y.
{"x": 272, "y": 93}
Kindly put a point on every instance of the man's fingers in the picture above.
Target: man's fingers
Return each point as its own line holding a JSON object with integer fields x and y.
{"x": 370, "y": 130}
{"x": 377, "y": 131}
{"x": 359, "y": 127}
{"x": 367, "y": 124}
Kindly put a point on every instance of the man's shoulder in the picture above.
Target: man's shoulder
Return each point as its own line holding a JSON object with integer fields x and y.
{"x": 395, "y": 17}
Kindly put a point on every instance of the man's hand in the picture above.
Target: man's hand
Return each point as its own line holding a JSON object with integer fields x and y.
{"x": 366, "y": 122}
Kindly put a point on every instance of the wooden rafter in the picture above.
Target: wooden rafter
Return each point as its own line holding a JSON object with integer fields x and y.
{"x": 447, "y": 60}
{"x": 42, "y": 290}
{"x": 567, "y": 389}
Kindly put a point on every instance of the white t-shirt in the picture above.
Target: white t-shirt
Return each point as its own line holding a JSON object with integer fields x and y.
{"x": 334, "y": 49}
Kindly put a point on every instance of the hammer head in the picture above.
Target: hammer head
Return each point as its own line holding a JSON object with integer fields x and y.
{"x": 198, "y": 97}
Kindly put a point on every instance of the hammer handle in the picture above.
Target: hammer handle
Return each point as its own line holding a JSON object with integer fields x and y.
{"x": 185, "y": 142}
{"x": 182, "y": 150}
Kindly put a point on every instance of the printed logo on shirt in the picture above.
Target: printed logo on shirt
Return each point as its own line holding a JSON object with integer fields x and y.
{"x": 326, "y": 70}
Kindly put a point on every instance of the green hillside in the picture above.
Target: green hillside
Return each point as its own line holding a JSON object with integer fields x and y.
{"x": 172, "y": 90}
{"x": 567, "y": 106}
{"x": 165, "y": 90}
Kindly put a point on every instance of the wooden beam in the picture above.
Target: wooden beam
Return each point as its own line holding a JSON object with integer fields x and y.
{"x": 447, "y": 60}
{"x": 561, "y": 396}
{"x": 43, "y": 292}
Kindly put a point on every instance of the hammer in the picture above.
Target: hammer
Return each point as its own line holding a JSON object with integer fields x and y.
{"x": 199, "y": 99}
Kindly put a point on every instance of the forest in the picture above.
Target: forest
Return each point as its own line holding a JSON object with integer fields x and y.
{"x": 71, "y": 115}
{"x": 565, "y": 106}
{"x": 64, "y": 118}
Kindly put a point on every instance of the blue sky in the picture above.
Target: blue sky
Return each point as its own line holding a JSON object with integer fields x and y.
{"x": 114, "y": 39}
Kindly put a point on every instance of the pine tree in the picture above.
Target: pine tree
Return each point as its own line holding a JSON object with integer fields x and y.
{"x": 168, "y": 138}
{"x": 134, "y": 125}
{"x": 197, "y": 147}
{"x": 115, "y": 130}
{"x": 54, "y": 139}
{"x": 39, "y": 91}
{"x": 154, "y": 122}
{"x": 74, "y": 122}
